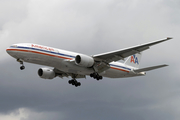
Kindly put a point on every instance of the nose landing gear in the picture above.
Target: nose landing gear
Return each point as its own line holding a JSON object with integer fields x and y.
{"x": 22, "y": 65}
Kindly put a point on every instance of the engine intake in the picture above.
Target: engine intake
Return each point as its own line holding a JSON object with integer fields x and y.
{"x": 84, "y": 60}
{"x": 46, "y": 73}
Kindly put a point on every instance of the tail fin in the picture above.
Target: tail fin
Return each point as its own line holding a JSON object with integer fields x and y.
{"x": 134, "y": 60}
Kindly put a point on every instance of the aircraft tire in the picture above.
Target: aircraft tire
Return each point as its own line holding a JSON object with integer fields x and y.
{"x": 22, "y": 67}
{"x": 79, "y": 84}
{"x": 70, "y": 81}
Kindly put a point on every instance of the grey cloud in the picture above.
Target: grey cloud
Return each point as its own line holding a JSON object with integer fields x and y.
{"x": 12, "y": 10}
{"x": 141, "y": 98}
{"x": 92, "y": 27}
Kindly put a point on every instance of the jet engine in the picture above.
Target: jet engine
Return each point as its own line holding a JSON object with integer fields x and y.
{"x": 46, "y": 73}
{"x": 84, "y": 60}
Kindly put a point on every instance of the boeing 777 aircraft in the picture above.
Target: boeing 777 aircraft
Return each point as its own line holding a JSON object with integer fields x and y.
{"x": 77, "y": 65}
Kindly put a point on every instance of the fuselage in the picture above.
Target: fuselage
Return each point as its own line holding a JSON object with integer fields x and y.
{"x": 63, "y": 60}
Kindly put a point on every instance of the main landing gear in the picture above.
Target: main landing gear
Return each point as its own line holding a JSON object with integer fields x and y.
{"x": 96, "y": 76}
{"x": 22, "y": 65}
{"x": 74, "y": 81}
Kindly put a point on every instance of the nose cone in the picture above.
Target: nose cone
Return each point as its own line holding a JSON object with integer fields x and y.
{"x": 10, "y": 50}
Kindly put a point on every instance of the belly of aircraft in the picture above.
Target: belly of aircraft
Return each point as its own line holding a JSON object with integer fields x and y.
{"x": 61, "y": 64}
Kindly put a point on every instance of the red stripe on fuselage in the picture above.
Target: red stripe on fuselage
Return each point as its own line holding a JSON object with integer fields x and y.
{"x": 55, "y": 56}
{"x": 119, "y": 69}
{"x": 39, "y": 53}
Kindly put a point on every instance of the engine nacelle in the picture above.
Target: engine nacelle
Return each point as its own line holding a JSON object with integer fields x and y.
{"x": 84, "y": 60}
{"x": 46, "y": 73}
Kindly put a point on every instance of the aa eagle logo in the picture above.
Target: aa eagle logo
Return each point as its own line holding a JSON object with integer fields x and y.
{"x": 134, "y": 59}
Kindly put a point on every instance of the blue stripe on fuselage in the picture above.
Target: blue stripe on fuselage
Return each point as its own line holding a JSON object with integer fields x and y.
{"x": 29, "y": 48}
{"x": 120, "y": 67}
{"x": 61, "y": 54}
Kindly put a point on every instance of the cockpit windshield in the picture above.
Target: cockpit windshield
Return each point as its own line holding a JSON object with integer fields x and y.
{"x": 13, "y": 46}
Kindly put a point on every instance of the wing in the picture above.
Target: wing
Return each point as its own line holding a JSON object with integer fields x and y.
{"x": 123, "y": 53}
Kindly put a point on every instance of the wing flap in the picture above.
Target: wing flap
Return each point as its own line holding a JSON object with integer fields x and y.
{"x": 149, "y": 68}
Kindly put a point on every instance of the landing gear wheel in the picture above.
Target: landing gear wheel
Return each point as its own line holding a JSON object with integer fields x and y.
{"x": 78, "y": 83}
{"x": 70, "y": 81}
{"x": 91, "y": 75}
{"x": 22, "y": 67}
{"x": 21, "y": 62}
{"x": 96, "y": 76}
{"x": 74, "y": 82}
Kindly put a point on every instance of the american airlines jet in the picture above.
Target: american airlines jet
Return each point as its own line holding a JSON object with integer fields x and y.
{"x": 65, "y": 63}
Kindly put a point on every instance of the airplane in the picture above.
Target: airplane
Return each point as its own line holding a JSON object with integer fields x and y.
{"x": 76, "y": 65}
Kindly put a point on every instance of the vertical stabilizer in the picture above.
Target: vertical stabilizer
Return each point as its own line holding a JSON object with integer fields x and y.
{"x": 134, "y": 60}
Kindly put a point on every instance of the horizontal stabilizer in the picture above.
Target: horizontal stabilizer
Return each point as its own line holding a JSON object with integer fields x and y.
{"x": 149, "y": 68}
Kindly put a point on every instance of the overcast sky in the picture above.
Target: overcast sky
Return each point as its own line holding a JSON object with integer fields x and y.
{"x": 91, "y": 27}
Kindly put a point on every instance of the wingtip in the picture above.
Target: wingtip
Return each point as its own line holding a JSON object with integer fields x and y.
{"x": 165, "y": 65}
{"x": 168, "y": 38}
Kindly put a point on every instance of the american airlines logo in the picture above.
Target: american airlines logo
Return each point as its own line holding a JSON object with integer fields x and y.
{"x": 42, "y": 47}
{"x": 134, "y": 59}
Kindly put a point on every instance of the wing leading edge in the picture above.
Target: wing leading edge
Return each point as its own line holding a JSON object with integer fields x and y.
{"x": 123, "y": 53}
